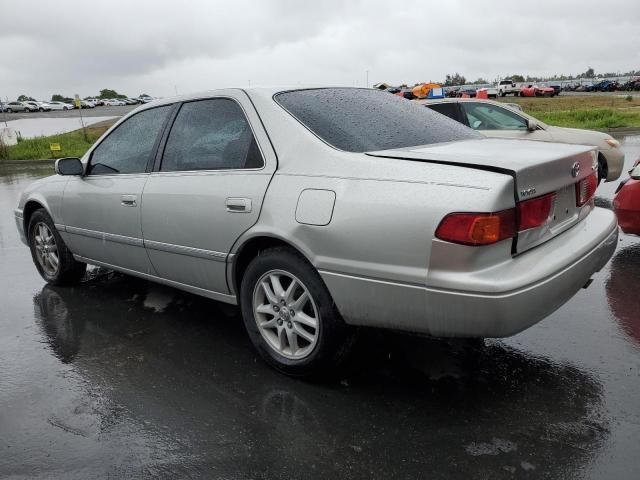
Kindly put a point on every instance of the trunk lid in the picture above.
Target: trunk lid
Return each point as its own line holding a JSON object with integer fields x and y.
{"x": 538, "y": 168}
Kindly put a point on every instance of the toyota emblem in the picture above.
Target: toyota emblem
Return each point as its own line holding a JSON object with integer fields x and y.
{"x": 575, "y": 170}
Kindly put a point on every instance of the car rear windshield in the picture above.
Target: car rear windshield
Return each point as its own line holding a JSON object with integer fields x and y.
{"x": 363, "y": 120}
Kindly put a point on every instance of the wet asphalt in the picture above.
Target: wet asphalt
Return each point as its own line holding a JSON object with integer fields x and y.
{"x": 121, "y": 378}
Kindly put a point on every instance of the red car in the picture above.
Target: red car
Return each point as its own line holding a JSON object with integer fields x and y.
{"x": 536, "y": 91}
{"x": 626, "y": 203}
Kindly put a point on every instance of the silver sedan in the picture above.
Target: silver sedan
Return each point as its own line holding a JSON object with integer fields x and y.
{"x": 322, "y": 210}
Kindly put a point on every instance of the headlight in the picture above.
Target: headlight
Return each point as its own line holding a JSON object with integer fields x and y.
{"x": 612, "y": 142}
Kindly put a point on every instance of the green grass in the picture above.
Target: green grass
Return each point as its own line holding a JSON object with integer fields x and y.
{"x": 596, "y": 118}
{"x": 73, "y": 144}
{"x": 596, "y": 112}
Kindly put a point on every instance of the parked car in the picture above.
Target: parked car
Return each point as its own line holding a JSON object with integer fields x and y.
{"x": 556, "y": 88}
{"x": 469, "y": 91}
{"x": 494, "y": 119}
{"x": 146, "y": 99}
{"x": 389, "y": 215}
{"x": 112, "y": 102}
{"x": 486, "y": 91}
{"x": 603, "y": 86}
{"x": 537, "y": 91}
{"x": 16, "y": 107}
{"x": 631, "y": 85}
{"x": 96, "y": 101}
{"x": 35, "y": 106}
{"x": 60, "y": 106}
{"x": 507, "y": 87}
{"x": 85, "y": 104}
{"x": 626, "y": 203}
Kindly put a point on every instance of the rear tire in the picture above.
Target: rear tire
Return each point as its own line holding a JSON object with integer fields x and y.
{"x": 290, "y": 316}
{"x": 50, "y": 254}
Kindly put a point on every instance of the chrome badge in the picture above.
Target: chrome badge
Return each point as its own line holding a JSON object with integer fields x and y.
{"x": 527, "y": 192}
{"x": 575, "y": 170}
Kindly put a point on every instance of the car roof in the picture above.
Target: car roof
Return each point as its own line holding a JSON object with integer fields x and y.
{"x": 263, "y": 91}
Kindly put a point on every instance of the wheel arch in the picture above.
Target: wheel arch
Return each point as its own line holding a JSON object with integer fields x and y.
{"x": 31, "y": 206}
{"x": 251, "y": 247}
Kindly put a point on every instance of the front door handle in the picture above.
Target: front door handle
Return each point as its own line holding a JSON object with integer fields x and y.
{"x": 238, "y": 205}
{"x": 129, "y": 200}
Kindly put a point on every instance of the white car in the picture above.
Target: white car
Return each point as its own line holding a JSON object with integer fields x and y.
{"x": 60, "y": 106}
{"x": 35, "y": 106}
{"x": 112, "y": 102}
{"x": 498, "y": 120}
{"x": 320, "y": 210}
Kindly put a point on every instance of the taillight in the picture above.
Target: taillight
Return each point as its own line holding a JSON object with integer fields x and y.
{"x": 535, "y": 212}
{"x": 486, "y": 228}
{"x": 477, "y": 228}
{"x": 585, "y": 189}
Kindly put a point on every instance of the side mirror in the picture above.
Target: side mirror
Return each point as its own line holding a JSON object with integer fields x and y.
{"x": 532, "y": 125}
{"x": 635, "y": 173}
{"x": 69, "y": 166}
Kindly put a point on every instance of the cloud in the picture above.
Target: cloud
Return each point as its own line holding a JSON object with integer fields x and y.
{"x": 72, "y": 46}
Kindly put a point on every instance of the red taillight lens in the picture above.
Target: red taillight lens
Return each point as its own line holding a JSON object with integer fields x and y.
{"x": 585, "y": 189}
{"x": 535, "y": 212}
{"x": 477, "y": 228}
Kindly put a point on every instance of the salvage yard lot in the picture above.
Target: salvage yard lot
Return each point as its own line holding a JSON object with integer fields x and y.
{"x": 593, "y": 112}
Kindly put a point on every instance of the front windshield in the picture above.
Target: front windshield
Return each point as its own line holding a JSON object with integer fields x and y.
{"x": 362, "y": 120}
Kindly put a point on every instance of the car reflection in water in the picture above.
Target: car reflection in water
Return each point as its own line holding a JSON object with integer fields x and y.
{"x": 181, "y": 367}
{"x": 622, "y": 290}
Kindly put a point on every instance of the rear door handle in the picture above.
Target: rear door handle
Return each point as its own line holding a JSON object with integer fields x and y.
{"x": 238, "y": 205}
{"x": 129, "y": 200}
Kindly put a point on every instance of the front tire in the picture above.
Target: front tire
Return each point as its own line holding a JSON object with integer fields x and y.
{"x": 290, "y": 316}
{"x": 52, "y": 258}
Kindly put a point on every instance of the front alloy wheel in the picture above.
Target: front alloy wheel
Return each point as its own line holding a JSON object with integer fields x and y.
{"x": 52, "y": 258}
{"x": 46, "y": 249}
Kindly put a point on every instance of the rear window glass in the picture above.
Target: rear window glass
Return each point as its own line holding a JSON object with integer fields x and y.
{"x": 362, "y": 120}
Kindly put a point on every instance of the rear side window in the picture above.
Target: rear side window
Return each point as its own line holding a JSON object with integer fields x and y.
{"x": 447, "y": 109}
{"x": 211, "y": 135}
{"x": 362, "y": 120}
{"x": 129, "y": 147}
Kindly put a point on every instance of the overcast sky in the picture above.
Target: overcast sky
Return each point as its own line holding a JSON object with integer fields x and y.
{"x": 158, "y": 47}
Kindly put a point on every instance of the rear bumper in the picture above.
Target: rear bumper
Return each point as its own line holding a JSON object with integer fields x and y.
{"x": 554, "y": 271}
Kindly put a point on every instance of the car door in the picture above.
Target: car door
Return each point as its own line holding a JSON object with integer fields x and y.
{"x": 497, "y": 121}
{"x": 207, "y": 189}
{"x": 101, "y": 209}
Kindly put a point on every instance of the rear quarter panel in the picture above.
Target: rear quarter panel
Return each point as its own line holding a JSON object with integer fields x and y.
{"x": 385, "y": 214}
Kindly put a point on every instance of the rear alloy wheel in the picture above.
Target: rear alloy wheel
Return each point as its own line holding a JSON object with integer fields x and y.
{"x": 52, "y": 258}
{"x": 290, "y": 316}
{"x": 286, "y": 314}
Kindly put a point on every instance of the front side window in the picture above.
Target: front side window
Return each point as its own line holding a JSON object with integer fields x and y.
{"x": 129, "y": 147}
{"x": 363, "y": 120}
{"x": 490, "y": 117}
{"x": 211, "y": 135}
